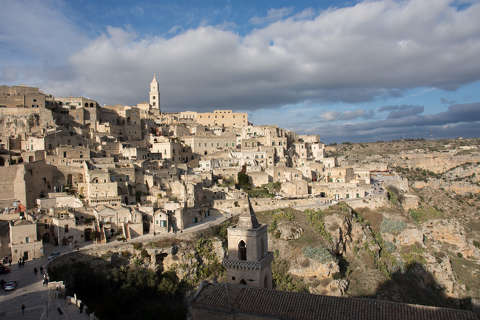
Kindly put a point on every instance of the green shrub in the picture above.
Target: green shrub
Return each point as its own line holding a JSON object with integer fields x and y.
{"x": 423, "y": 214}
{"x": 318, "y": 254}
{"x": 144, "y": 254}
{"x": 273, "y": 226}
{"x": 284, "y": 281}
{"x": 392, "y": 226}
{"x": 476, "y": 243}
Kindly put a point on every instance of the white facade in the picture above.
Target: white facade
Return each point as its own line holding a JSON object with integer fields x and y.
{"x": 154, "y": 94}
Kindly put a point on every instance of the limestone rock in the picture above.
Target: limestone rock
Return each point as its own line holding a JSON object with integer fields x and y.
{"x": 450, "y": 232}
{"x": 310, "y": 268}
{"x": 409, "y": 237}
{"x": 218, "y": 249}
{"x": 441, "y": 269}
{"x": 410, "y": 201}
{"x": 289, "y": 230}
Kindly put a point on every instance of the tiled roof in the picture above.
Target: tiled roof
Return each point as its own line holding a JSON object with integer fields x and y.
{"x": 289, "y": 305}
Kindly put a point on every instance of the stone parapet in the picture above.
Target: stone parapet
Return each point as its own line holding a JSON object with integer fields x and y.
{"x": 248, "y": 265}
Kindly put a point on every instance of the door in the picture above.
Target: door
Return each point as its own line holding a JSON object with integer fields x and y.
{"x": 25, "y": 255}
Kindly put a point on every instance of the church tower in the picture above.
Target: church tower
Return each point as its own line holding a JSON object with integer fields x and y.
{"x": 248, "y": 260}
{"x": 154, "y": 94}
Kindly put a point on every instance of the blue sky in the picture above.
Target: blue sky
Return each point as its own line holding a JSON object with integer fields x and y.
{"x": 347, "y": 70}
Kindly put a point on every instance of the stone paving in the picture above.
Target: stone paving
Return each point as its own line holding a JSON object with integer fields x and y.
{"x": 39, "y": 304}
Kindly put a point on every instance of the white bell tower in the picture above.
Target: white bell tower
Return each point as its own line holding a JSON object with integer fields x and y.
{"x": 154, "y": 94}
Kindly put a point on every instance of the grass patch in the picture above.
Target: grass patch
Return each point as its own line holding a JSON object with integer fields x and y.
{"x": 392, "y": 226}
{"x": 284, "y": 281}
{"x": 463, "y": 271}
{"x": 412, "y": 254}
{"x": 423, "y": 214}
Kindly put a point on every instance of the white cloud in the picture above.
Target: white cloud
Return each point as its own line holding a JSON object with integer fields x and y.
{"x": 272, "y": 15}
{"x": 370, "y": 50}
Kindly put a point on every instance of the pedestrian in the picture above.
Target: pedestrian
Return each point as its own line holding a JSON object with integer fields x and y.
{"x": 35, "y": 271}
{"x": 41, "y": 269}
{"x": 10, "y": 261}
{"x": 23, "y": 309}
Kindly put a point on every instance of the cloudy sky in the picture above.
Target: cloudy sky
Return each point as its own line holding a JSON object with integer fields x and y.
{"x": 347, "y": 70}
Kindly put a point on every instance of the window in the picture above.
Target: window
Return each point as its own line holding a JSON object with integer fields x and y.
{"x": 27, "y": 239}
{"x": 242, "y": 250}
{"x": 66, "y": 228}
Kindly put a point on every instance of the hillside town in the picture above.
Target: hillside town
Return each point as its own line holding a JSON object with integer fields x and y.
{"x": 75, "y": 172}
{"x": 80, "y": 177}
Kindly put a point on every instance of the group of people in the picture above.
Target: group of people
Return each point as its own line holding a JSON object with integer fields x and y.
{"x": 6, "y": 260}
{"x": 43, "y": 273}
{"x": 21, "y": 262}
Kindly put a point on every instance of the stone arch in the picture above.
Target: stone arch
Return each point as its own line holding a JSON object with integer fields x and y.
{"x": 242, "y": 250}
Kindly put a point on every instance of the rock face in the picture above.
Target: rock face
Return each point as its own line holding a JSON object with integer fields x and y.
{"x": 289, "y": 230}
{"x": 410, "y": 201}
{"x": 450, "y": 232}
{"x": 408, "y": 237}
{"x": 311, "y": 268}
{"x": 441, "y": 269}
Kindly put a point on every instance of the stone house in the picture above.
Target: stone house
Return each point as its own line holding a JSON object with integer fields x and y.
{"x": 297, "y": 188}
{"x": 98, "y": 187}
{"x": 258, "y": 178}
{"x": 23, "y": 240}
{"x": 207, "y": 144}
{"x": 339, "y": 174}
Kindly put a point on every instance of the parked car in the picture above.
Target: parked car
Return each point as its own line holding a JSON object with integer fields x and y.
{"x": 53, "y": 255}
{"x": 4, "y": 270}
{"x": 10, "y": 285}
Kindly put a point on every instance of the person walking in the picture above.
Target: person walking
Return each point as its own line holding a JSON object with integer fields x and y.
{"x": 35, "y": 271}
{"x": 23, "y": 309}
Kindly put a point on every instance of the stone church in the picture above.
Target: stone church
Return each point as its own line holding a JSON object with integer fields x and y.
{"x": 248, "y": 261}
{"x": 248, "y": 293}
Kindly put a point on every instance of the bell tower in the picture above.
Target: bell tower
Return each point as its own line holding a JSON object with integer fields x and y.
{"x": 154, "y": 94}
{"x": 248, "y": 261}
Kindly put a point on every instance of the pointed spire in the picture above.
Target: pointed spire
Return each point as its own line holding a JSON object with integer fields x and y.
{"x": 154, "y": 80}
{"x": 248, "y": 219}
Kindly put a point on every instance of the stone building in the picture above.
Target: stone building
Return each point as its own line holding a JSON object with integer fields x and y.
{"x": 23, "y": 240}
{"x": 29, "y": 181}
{"x": 21, "y": 96}
{"x": 154, "y": 94}
{"x": 225, "y": 118}
{"x": 207, "y": 144}
{"x": 248, "y": 261}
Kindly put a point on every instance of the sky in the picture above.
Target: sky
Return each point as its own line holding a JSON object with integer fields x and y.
{"x": 346, "y": 70}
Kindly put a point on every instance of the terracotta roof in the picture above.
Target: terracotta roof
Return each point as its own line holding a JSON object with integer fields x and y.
{"x": 230, "y": 299}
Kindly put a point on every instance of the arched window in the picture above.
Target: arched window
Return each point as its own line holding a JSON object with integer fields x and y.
{"x": 242, "y": 251}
